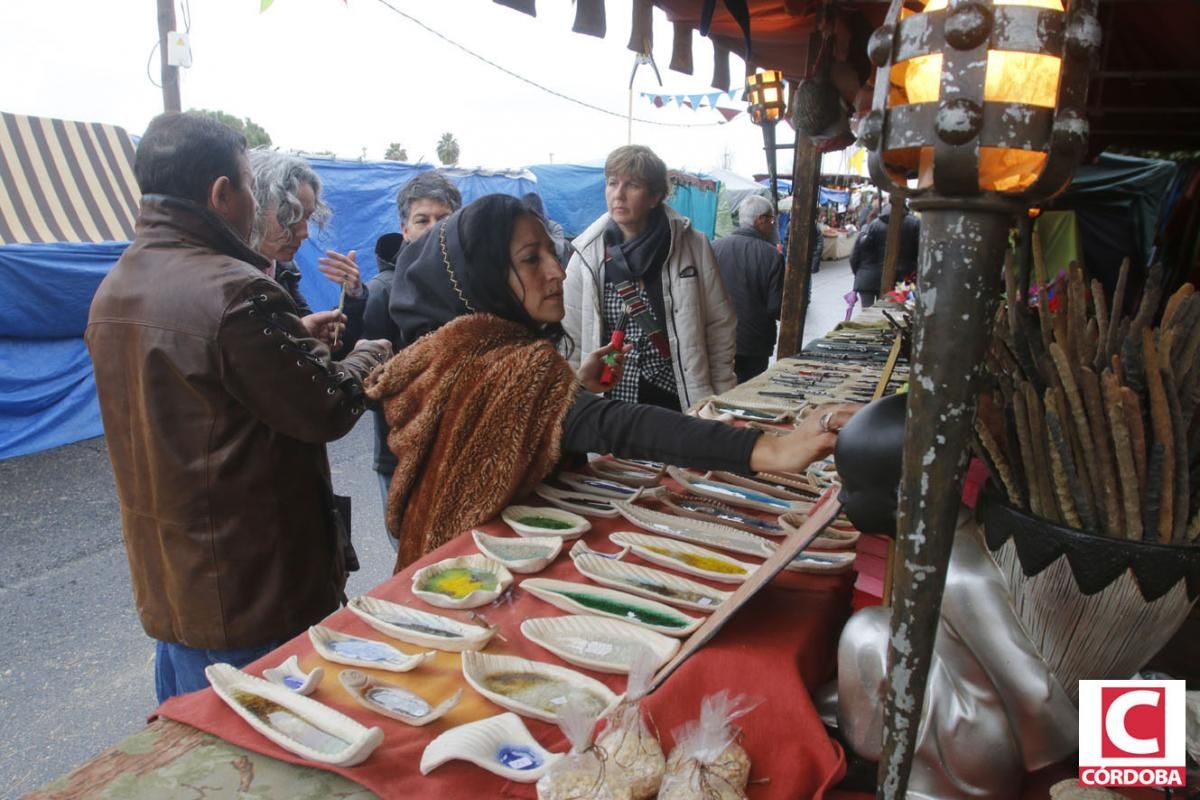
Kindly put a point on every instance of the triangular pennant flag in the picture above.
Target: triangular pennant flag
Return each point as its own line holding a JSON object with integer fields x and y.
{"x": 264, "y": 5}
{"x": 729, "y": 113}
{"x": 658, "y": 101}
{"x": 687, "y": 102}
{"x": 713, "y": 97}
{"x": 681, "y": 99}
{"x": 695, "y": 98}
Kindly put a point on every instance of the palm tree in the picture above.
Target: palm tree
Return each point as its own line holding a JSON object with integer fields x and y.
{"x": 396, "y": 152}
{"x": 447, "y": 149}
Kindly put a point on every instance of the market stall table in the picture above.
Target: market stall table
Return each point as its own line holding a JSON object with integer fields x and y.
{"x": 778, "y": 648}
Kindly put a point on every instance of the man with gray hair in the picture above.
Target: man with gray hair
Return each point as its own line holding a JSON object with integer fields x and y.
{"x": 424, "y": 201}
{"x": 752, "y": 268}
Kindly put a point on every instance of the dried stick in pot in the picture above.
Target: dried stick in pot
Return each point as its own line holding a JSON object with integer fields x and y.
{"x": 1153, "y": 511}
{"x": 1039, "y": 445}
{"x": 1063, "y": 470}
{"x": 1131, "y": 498}
{"x": 1160, "y": 422}
{"x": 1100, "y": 304}
{"x": 1180, "y": 495}
{"x": 1115, "y": 335}
{"x": 1103, "y": 468}
{"x": 998, "y": 463}
{"x": 1137, "y": 433}
{"x": 1077, "y": 416}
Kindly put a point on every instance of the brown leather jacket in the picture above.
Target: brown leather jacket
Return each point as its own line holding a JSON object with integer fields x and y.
{"x": 216, "y": 407}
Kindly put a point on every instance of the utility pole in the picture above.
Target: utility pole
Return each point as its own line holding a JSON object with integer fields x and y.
{"x": 170, "y": 74}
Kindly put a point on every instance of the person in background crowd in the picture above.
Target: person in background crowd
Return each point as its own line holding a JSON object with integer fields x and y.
{"x": 425, "y": 200}
{"x": 642, "y": 263}
{"x": 482, "y": 409}
{"x": 866, "y": 260}
{"x": 288, "y": 193}
{"x": 217, "y": 401}
{"x": 752, "y": 269}
{"x": 557, "y": 234}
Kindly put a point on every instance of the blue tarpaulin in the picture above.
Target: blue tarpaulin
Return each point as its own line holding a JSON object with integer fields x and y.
{"x": 47, "y": 395}
{"x": 573, "y": 194}
{"x": 833, "y": 196}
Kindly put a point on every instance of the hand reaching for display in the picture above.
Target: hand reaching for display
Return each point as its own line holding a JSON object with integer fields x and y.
{"x": 591, "y": 370}
{"x": 812, "y": 440}
{"x": 342, "y": 269}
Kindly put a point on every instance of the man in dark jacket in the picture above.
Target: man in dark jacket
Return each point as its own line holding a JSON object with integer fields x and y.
{"x": 217, "y": 402}
{"x": 422, "y": 202}
{"x": 752, "y": 269}
{"x": 866, "y": 261}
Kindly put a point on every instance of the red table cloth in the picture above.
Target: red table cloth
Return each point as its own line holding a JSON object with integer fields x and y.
{"x": 778, "y": 648}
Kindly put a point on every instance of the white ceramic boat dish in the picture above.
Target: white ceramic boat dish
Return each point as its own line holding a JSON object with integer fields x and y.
{"x": 298, "y": 724}
{"x": 462, "y": 582}
{"x": 597, "y": 487}
{"x": 684, "y": 557}
{"x": 767, "y": 483}
{"x": 708, "y": 486}
{"x": 838, "y": 536}
{"x": 356, "y": 651}
{"x": 648, "y": 582}
{"x": 578, "y": 502}
{"x": 420, "y": 628}
{"x": 392, "y": 701}
{"x": 604, "y": 645}
{"x": 696, "y": 531}
{"x": 290, "y": 676}
{"x": 584, "y": 598}
{"x": 822, "y": 562}
{"x": 524, "y": 555}
{"x": 706, "y": 509}
{"x": 533, "y": 689}
{"x": 501, "y": 744}
{"x": 576, "y": 525}
{"x": 717, "y": 409}
{"x": 628, "y": 474}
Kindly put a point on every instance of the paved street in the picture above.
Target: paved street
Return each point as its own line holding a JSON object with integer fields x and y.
{"x": 75, "y": 666}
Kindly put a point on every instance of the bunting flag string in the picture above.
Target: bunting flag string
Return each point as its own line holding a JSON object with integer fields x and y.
{"x": 698, "y": 101}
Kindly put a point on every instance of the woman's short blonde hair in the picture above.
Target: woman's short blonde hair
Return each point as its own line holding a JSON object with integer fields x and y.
{"x": 638, "y": 161}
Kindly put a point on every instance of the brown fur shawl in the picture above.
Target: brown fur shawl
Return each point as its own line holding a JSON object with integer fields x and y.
{"x": 475, "y": 413}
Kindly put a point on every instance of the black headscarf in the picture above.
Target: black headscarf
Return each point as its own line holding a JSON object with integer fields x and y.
{"x": 469, "y": 248}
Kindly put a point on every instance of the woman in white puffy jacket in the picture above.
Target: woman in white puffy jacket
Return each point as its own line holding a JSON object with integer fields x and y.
{"x": 643, "y": 262}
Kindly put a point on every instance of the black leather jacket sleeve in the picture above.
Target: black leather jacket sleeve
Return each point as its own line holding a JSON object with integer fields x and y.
{"x": 630, "y": 430}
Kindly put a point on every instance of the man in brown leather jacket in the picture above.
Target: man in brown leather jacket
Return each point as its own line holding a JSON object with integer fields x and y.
{"x": 217, "y": 402}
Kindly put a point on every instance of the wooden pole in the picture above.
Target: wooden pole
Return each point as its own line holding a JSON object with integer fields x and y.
{"x": 806, "y": 172}
{"x": 170, "y": 74}
{"x": 891, "y": 248}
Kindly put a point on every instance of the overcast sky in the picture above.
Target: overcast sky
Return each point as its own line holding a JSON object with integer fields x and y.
{"x": 352, "y": 77}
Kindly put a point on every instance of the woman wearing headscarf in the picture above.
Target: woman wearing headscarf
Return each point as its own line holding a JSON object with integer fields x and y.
{"x": 644, "y": 266}
{"x": 483, "y": 406}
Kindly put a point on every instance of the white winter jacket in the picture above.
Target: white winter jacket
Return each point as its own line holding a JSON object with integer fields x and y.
{"x": 701, "y": 323}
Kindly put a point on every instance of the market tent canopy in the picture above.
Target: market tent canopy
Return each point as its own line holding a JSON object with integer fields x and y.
{"x": 63, "y": 181}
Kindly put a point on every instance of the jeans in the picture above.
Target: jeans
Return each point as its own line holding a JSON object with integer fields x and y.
{"x": 385, "y": 481}
{"x": 179, "y": 669}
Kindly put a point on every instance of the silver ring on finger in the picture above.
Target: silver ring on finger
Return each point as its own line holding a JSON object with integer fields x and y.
{"x": 825, "y": 420}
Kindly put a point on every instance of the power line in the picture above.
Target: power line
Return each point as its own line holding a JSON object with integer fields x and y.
{"x": 537, "y": 85}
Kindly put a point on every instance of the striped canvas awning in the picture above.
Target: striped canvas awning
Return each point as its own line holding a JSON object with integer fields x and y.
{"x": 63, "y": 181}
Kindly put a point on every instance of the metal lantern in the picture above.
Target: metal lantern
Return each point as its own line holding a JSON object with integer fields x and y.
{"x": 765, "y": 93}
{"x": 982, "y": 102}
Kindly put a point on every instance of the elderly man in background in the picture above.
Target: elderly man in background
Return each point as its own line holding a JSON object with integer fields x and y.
{"x": 288, "y": 193}
{"x": 217, "y": 402}
{"x": 422, "y": 202}
{"x": 752, "y": 268}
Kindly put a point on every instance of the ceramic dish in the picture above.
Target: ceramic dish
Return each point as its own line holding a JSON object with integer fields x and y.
{"x": 684, "y": 557}
{"x": 797, "y": 487}
{"x": 356, "y": 651}
{"x": 822, "y": 562}
{"x": 597, "y": 487}
{"x": 840, "y": 535}
{"x": 584, "y": 598}
{"x": 533, "y": 688}
{"x": 628, "y": 474}
{"x": 290, "y": 676}
{"x": 542, "y": 522}
{"x": 696, "y": 531}
{"x": 392, "y": 701}
{"x": 501, "y": 744}
{"x": 298, "y": 724}
{"x": 605, "y": 645}
{"x": 707, "y": 485}
{"x": 580, "y": 503}
{"x": 647, "y": 582}
{"x": 462, "y": 582}
{"x": 717, "y": 409}
{"x": 703, "y": 508}
{"x": 421, "y": 628}
{"x": 526, "y": 554}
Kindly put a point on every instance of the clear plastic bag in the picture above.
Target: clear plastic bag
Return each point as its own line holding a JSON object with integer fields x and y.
{"x": 708, "y": 762}
{"x": 631, "y": 746}
{"x": 583, "y": 773}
